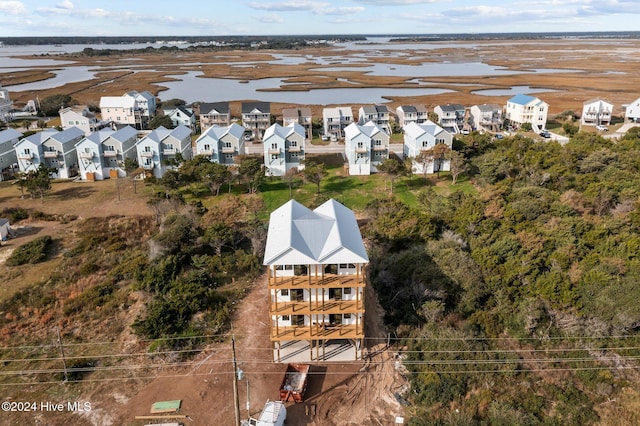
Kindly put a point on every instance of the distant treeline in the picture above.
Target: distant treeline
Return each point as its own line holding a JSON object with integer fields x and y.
{"x": 515, "y": 36}
{"x": 189, "y": 39}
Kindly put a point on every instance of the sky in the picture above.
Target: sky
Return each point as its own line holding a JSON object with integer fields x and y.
{"x": 296, "y": 17}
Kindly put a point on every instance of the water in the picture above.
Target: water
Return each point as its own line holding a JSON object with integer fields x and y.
{"x": 63, "y": 76}
{"x": 193, "y": 88}
{"x": 515, "y": 90}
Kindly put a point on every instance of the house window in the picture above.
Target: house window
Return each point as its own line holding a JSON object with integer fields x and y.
{"x": 274, "y": 156}
{"x": 147, "y": 149}
{"x": 207, "y": 147}
{"x": 228, "y": 156}
{"x": 274, "y": 146}
{"x": 70, "y": 122}
{"x": 360, "y": 145}
{"x": 284, "y": 291}
{"x": 27, "y": 151}
{"x": 169, "y": 146}
{"x": 286, "y": 318}
{"x": 378, "y": 142}
{"x": 109, "y": 148}
{"x": 346, "y": 290}
{"x": 361, "y": 155}
{"x": 293, "y": 144}
{"x": 294, "y": 155}
{"x": 346, "y": 316}
{"x": 227, "y": 144}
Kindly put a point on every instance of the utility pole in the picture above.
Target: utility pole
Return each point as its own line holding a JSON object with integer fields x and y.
{"x": 236, "y": 397}
{"x": 64, "y": 361}
{"x": 248, "y": 402}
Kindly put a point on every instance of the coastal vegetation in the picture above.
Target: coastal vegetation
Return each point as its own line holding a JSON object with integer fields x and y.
{"x": 510, "y": 294}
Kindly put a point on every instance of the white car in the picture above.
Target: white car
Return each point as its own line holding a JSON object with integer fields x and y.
{"x": 602, "y": 128}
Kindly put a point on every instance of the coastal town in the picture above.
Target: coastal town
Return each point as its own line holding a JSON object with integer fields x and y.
{"x": 415, "y": 259}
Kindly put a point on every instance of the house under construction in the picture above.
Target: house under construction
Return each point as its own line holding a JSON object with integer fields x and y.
{"x": 315, "y": 261}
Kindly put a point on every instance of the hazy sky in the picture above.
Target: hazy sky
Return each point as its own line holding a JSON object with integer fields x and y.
{"x": 231, "y": 17}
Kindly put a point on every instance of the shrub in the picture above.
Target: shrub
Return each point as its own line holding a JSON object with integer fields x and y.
{"x": 33, "y": 252}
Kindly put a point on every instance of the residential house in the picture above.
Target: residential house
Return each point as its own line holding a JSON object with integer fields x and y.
{"x": 632, "y": 112}
{"x": 256, "y": 118}
{"x": 160, "y": 150}
{"x": 302, "y": 116}
{"x": 365, "y": 147}
{"x": 102, "y": 154}
{"x": 451, "y": 117}
{"x": 82, "y": 118}
{"x": 56, "y": 150}
{"x": 335, "y": 120}
{"x": 486, "y": 117}
{"x": 315, "y": 261}
{"x": 422, "y": 137}
{"x": 5, "y": 229}
{"x": 596, "y": 112}
{"x": 8, "y": 157}
{"x": 522, "y": 109}
{"x": 59, "y": 152}
{"x": 181, "y": 116}
{"x": 121, "y": 111}
{"x": 378, "y": 114}
{"x": 283, "y": 148}
{"x": 406, "y": 114}
{"x": 214, "y": 114}
{"x": 221, "y": 144}
{"x": 6, "y": 105}
{"x": 146, "y": 103}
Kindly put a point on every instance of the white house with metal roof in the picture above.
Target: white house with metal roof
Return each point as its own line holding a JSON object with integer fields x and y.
{"x": 221, "y": 144}
{"x": 596, "y": 112}
{"x": 315, "y": 261}
{"x": 365, "y": 147}
{"x": 102, "y": 154}
{"x": 158, "y": 151}
{"x": 181, "y": 116}
{"x": 146, "y": 103}
{"x": 378, "y": 114}
{"x": 406, "y": 114}
{"x": 8, "y": 157}
{"x": 54, "y": 149}
{"x": 283, "y": 148}
{"x": 422, "y": 137}
{"x": 522, "y": 109}
{"x": 486, "y": 117}
{"x": 632, "y": 111}
{"x": 335, "y": 120}
{"x": 121, "y": 111}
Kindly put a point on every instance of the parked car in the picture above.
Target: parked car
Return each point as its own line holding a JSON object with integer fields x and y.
{"x": 498, "y": 136}
{"x": 545, "y": 134}
{"x": 325, "y": 137}
{"x": 602, "y": 128}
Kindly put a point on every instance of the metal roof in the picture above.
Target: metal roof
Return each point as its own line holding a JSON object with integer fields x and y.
{"x": 300, "y": 236}
{"x": 9, "y": 135}
{"x": 415, "y": 130}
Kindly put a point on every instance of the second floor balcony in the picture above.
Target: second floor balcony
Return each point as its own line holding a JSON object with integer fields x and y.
{"x": 146, "y": 154}
{"x": 110, "y": 154}
{"x": 169, "y": 151}
{"x": 51, "y": 154}
{"x": 25, "y": 155}
{"x": 87, "y": 155}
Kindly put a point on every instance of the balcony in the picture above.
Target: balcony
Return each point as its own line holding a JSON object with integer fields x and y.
{"x": 87, "y": 155}
{"x": 379, "y": 148}
{"x": 110, "y": 153}
{"x": 146, "y": 154}
{"x": 295, "y": 148}
{"x": 361, "y": 149}
{"x": 320, "y": 281}
{"x": 228, "y": 150}
{"x": 169, "y": 151}
{"x": 205, "y": 152}
{"x": 51, "y": 154}
{"x": 274, "y": 151}
{"x": 25, "y": 156}
{"x": 312, "y": 307}
{"x": 148, "y": 166}
{"x": 317, "y": 331}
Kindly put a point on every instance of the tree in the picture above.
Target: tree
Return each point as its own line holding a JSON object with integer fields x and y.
{"x": 214, "y": 175}
{"x": 42, "y": 124}
{"x": 291, "y": 178}
{"x": 425, "y": 159}
{"x": 50, "y": 105}
{"x": 393, "y": 168}
{"x": 161, "y": 121}
{"x": 440, "y": 153}
{"x": 459, "y": 165}
{"x": 251, "y": 171}
{"x": 38, "y": 182}
{"x": 314, "y": 172}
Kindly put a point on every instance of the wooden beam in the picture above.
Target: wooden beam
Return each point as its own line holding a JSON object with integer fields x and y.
{"x": 174, "y": 416}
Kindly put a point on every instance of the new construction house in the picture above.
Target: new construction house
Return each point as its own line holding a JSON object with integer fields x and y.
{"x": 316, "y": 265}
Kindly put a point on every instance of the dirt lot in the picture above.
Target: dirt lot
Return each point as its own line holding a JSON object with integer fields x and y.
{"x": 358, "y": 393}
